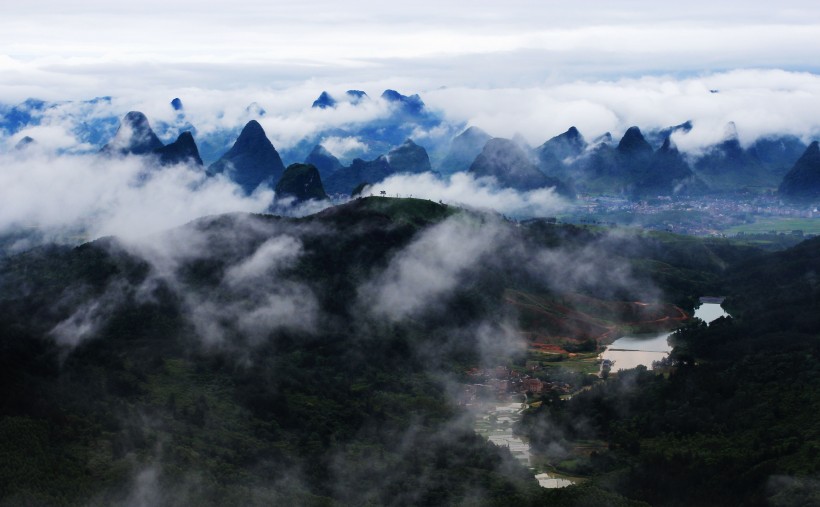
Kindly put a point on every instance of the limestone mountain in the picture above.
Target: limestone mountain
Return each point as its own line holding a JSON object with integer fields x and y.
{"x": 726, "y": 166}
{"x": 252, "y": 160}
{"x": 777, "y": 153}
{"x": 802, "y": 183}
{"x": 633, "y": 149}
{"x": 181, "y": 151}
{"x": 134, "y": 136}
{"x": 324, "y": 101}
{"x": 556, "y": 156}
{"x": 667, "y": 173}
{"x": 409, "y": 104}
{"x": 360, "y": 171}
{"x": 657, "y": 137}
{"x": 323, "y": 160}
{"x": 511, "y": 167}
{"x": 409, "y": 157}
{"x": 356, "y": 96}
{"x": 301, "y": 182}
{"x": 464, "y": 148}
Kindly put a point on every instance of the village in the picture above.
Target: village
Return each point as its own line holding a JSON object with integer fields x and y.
{"x": 501, "y": 381}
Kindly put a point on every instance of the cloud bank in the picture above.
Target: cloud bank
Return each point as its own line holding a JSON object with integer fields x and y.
{"x": 98, "y": 196}
{"x": 462, "y": 189}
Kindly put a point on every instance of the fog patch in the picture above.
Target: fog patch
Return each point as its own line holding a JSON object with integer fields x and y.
{"x": 430, "y": 268}
{"x": 464, "y": 189}
{"x": 124, "y": 196}
{"x": 344, "y": 147}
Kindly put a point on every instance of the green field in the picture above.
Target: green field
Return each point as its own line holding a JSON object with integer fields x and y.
{"x": 764, "y": 225}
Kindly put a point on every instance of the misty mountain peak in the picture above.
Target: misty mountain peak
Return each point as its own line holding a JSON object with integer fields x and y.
{"x": 324, "y": 101}
{"x": 301, "y": 182}
{"x": 505, "y": 161}
{"x": 605, "y": 138}
{"x": 464, "y": 148}
{"x": 133, "y": 136}
{"x": 633, "y": 143}
{"x": 356, "y": 96}
{"x": 324, "y": 161}
{"x": 409, "y": 157}
{"x": 573, "y": 134}
{"x": 252, "y": 160}
{"x": 181, "y": 151}
{"x": 569, "y": 144}
{"x": 668, "y": 145}
{"x": 410, "y": 104}
{"x": 176, "y": 104}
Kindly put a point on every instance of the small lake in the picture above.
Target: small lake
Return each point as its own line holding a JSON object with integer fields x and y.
{"x": 642, "y": 349}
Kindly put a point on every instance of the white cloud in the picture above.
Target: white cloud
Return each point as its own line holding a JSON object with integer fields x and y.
{"x": 343, "y": 147}
{"x": 430, "y": 268}
{"x": 760, "y": 102}
{"x": 465, "y": 190}
{"x": 102, "y": 196}
{"x": 88, "y": 48}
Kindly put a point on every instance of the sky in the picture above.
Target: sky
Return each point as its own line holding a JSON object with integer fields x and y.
{"x": 73, "y": 50}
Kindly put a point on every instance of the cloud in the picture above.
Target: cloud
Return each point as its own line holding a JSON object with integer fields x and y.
{"x": 761, "y": 103}
{"x": 104, "y": 47}
{"x": 251, "y": 297}
{"x": 97, "y": 196}
{"x": 430, "y": 268}
{"x": 272, "y": 255}
{"x": 462, "y": 189}
{"x": 344, "y": 147}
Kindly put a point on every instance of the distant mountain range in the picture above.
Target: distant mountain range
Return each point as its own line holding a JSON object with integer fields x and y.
{"x": 640, "y": 165}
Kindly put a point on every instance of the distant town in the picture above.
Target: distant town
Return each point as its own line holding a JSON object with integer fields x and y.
{"x": 699, "y": 216}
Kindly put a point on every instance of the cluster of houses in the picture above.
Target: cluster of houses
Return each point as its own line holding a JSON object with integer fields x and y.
{"x": 493, "y": 383}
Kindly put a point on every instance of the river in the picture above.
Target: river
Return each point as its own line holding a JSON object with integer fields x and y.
{"x": 642, "y": 349}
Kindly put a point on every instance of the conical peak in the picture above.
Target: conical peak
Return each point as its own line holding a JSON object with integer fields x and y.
{"x": 252, "y": 137}
{"x": 136, "y": 119}
{"x": 252, "y": 129}
{"x": 320, "y": 150}
{"x": 324, "y": 101}
{"x": 633, "y": 142}
{"x": 134, "y": 136}
{"x": 633, "y": 132}
{"x": 668, "y": 145}
{"x": 356, "y": 96}
{"x": 186, "y": 138}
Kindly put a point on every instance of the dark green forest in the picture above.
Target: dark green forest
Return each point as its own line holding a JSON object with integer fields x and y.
{"x": 259, "y": 360}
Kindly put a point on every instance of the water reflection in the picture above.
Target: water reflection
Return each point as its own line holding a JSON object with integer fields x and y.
{"x": 642, "y": 349}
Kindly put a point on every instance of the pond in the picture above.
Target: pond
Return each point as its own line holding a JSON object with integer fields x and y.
{"x": 642, "y": 349}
